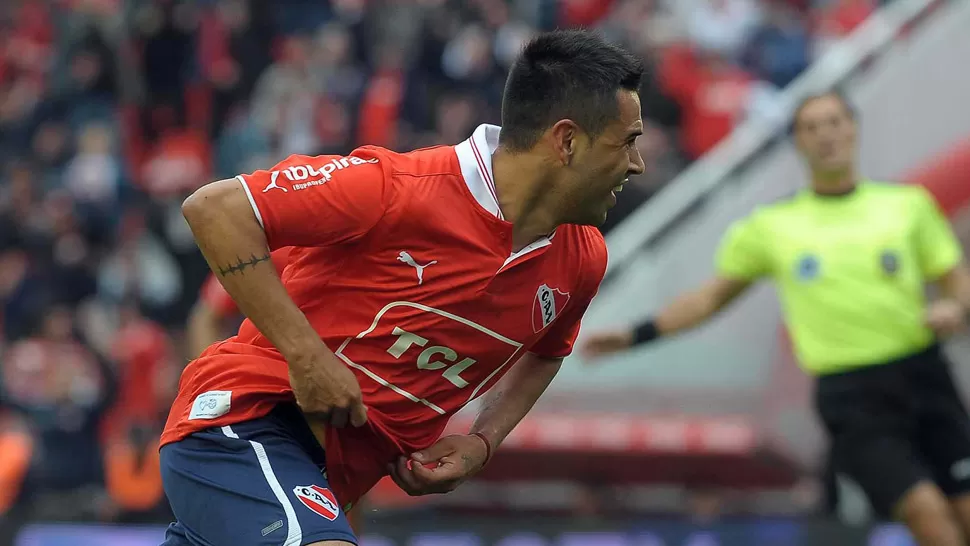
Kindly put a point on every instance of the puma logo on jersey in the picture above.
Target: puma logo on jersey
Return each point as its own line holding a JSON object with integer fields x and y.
{"x": 408, "y": 259}
{"x": 273, "y": 185}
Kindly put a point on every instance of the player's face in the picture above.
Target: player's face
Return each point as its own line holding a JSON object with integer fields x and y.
{"x": 826, "y": 135}
{"x": 603, "y": 165}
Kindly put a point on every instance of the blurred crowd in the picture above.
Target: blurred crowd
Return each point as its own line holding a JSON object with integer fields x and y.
{"x": 112, "y": 111}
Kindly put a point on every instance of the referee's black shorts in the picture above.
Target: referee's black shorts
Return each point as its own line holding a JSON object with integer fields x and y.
{"x": 896, "y": 424}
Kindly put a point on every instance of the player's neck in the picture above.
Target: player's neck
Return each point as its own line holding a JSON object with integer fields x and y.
{"x": 834, "y": 183}
{"x": 521, "y": 197}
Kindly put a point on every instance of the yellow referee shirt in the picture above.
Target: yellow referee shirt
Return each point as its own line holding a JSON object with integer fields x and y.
{"x": 850, "y": 270}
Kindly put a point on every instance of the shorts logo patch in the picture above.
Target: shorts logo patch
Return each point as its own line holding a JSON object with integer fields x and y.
{"x": 278, "y": 524}
{"x": 211, "y": 405}
{"x": 318, "y": 499}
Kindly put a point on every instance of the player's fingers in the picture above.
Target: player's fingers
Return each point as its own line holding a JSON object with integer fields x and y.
{"x": 358, "y": 415}
{"x": 438, "y": 450}
{"x": 396, "y": 478}
{"x": 447, "y": 471}
{"x": 404, "y": 477}
{"x": 339, "y": 417}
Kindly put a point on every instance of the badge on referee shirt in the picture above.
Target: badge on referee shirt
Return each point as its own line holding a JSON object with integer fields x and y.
{"x": 807, "y": 268}
{"x": 889, "y": 260}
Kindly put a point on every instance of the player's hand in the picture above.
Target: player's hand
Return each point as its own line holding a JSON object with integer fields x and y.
{"x": 605, "y": 343}
{"x": 946, "y": 317}
{"x": 326, "y": 390}
{"x": 453, "y": 459}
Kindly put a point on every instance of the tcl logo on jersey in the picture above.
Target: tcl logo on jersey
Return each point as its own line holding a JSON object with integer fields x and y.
{"x": 548, "y": 304}
{"x": 319, "y": 499}
{"x": 438, "y": 343}
{"x": 435, "y": 357}
{"x": 320, "y": 174}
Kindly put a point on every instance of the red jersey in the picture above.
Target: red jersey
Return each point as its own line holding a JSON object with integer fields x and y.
{"x": 403, "y": 264}
{"x": 215, "y": 296}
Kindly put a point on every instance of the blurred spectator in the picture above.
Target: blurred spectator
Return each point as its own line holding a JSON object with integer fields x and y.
{"x": 62, "y": 388}
{"x": 837, "y": 18}
{"x": 720, "y": 27}
{"x": 713, "y": 93}
{"x": 780, "y": 48}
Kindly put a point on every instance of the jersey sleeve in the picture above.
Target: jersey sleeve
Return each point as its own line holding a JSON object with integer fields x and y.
{"x": 318, "y": 200}
{"x": 742, "y": 254}
{"x": 937, "y": 248}
{"x": 559, "y": 339}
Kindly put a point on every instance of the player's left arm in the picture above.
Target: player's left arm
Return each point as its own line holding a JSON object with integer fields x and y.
{"x": 508, "y": 402}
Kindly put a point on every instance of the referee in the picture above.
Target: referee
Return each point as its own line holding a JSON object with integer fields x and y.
{"x": 851, "y": 259}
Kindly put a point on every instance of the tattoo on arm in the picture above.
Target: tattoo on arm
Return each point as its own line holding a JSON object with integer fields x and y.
{"x": 468, "y": 462}
{"x": 241, "y": 264}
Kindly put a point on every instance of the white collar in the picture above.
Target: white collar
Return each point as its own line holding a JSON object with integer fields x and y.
{"x": 475, "y": 159}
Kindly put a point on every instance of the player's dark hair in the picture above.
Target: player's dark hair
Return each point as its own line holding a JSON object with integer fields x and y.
{"x": 565, "y": 74}
{"x": 832, "y": 93}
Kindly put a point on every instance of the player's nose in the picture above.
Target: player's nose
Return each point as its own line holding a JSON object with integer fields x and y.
{"x": 636, "y": 162}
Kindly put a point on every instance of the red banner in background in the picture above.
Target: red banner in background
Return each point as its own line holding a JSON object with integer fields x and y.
{"x": 947, "y": 177}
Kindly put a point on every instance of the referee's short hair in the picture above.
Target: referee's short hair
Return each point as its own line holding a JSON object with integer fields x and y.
{"x": 835, "y": 93}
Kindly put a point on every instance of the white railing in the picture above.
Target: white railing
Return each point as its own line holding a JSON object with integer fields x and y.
{"x": 647, "y": 221}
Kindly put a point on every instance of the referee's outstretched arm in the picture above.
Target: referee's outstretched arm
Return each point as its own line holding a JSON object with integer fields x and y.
{"x": 688, "y": 311}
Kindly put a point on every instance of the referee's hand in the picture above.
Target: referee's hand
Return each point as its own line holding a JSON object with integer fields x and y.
{"x": 605, "y": 343}
{"x": 946, "y": 317}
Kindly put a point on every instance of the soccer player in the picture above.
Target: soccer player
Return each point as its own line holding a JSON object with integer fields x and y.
{"x": 416, "y": 283}
{"x": 851, "y": 258}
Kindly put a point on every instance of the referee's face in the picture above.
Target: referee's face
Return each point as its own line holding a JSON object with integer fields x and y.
{"x": 825, "y": 134}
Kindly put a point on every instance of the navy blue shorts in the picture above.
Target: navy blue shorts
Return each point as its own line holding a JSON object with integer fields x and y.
{"x": 259, "y": 482}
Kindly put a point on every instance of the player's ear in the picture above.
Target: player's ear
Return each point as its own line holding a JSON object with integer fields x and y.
{"x": 565, "y": 136}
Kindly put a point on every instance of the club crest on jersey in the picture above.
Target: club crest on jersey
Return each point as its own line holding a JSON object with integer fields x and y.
{"x": 548, "y": 304}
{"x": 318, "y": 499}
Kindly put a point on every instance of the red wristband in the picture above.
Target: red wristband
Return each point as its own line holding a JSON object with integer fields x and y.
{"x": 488, "y": 445}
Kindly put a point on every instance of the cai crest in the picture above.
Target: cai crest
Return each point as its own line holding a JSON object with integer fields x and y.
{"x": 548, "y": 304}
{"x": 318, "y": 499}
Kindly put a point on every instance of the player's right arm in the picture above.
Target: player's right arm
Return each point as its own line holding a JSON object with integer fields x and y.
{"x": 236, "y": 224}
{"x": 741, "y": 259}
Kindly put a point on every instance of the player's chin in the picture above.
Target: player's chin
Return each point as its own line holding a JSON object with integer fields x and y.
{"x": 593, "y": 218}
{"x": 593, "y": 213}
